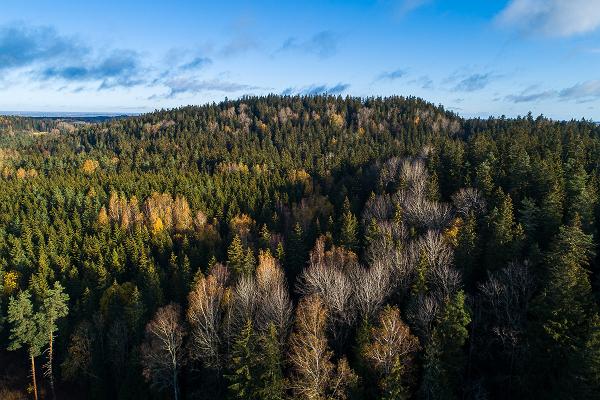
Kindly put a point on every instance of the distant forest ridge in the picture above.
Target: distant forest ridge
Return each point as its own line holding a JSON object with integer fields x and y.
{"x": 238, "y": 250}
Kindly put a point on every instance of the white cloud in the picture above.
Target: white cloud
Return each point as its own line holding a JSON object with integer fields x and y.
{"x": 558, "y": 18}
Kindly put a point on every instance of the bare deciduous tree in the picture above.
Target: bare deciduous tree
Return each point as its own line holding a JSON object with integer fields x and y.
{"x": 378, "y": 208}
{"x": 506, "y": 295}
{"x": 372, "y": 287}
{"x": 422, "y": 313}
{"x": 162, "y": 352}
{"x": 414, "y": 175}
{"x": 243, "y": 305}
{"x": 314, "y": 374}
{"x": 391, "y": 342}
{"x": 421, "y": 212}
{"x": 328, "y": 275}
{"x": 205, "y": 315}
{"x": 273, "y": 296}
{"x": 468, "y": 200}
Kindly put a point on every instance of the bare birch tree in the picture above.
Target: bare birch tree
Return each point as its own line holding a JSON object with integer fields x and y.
{"x": 162, "y": 351}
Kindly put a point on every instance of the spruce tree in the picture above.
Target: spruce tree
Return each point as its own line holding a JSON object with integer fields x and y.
{"x": 444, "y": 355}
{"x": 54, "y": 307}
{"x": 242, "y": 368}
{"x": 566, "y": 329}
{"x": 236, "y": 257}
{"x": 28, "y": 330}
{"x": 270, "y": 378}
{"x": 348, "y": 228}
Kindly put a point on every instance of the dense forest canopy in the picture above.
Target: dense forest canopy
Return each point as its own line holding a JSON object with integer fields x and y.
{"x": 311, "y": 247}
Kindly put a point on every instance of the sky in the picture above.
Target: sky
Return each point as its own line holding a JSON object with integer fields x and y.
{"x": 477, "y": 57}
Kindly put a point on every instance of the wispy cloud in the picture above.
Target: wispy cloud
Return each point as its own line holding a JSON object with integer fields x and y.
{"x": 179, "y": 86}
{"x": 242, "y": 39}
{"x": 552, "y": 17}
{"x": 580, "y": 93}
{"x": 317, "y": 89}
{"x": 47, "y": 55}
{"x": 473, "y": 82}
{"x": 22, "y": 46}
{"x": 323, "y": 44}
{"x": 424, "y": 82}
{"x": 196, "y": 63}
{"x": 239, "y": 44}
{"x": 589, "y": 90}
{"x": 119, "y": 68}
{"x": 391, "y": 75}
{"x": 529, "y": 96}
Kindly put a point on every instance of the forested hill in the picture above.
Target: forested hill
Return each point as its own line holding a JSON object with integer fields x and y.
{"x": 300, "y": 247}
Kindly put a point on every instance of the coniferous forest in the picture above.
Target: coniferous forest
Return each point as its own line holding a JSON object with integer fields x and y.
{"x": 288, "y": 247}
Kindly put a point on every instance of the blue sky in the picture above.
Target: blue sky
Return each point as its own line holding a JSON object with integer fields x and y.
{"x": 477, "y": 57}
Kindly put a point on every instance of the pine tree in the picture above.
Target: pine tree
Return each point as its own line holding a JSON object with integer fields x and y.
{"x": 551, "y": 217}
{"x": 581, "y": 195}
{"x": 280, "y": 252}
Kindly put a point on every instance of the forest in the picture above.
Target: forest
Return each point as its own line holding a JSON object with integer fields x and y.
{"x": 300, "y": 247}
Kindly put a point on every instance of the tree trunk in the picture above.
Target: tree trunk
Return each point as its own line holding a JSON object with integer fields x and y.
{"x": 35, "y": 392}
{"x": 175, "y": 391}
{"x": 49, "y": 370}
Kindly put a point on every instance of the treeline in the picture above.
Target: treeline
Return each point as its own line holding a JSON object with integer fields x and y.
{"x": 301, "y": 247}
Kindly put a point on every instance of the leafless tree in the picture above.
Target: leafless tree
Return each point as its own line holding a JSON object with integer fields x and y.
{"x": 221, "y": 274}
{"x": 414, "y": 175}
{"x": 391, "y": 342}
{"x": 79, "y": 359}
{"x": 274, "y": 304}
{"x": 422, "y": 312}
{"x": 421, "y": 212}
{"x": 501, "y": 313}
{"x": 391, "y": 172}
{"x": 205, "y": 316}
{"x": 443, "y": 279}
{"x": 314, "y": 375}
{"x": 468, "y": 200}
{"x": 243, "y": 305}
{"x": 506, "y": 295}
{"x": 378, "y": 208}
{"x": 162, "y": 351}
{"x": 328, "y": 275}
{"x": 436, "y": 250}
{"x": 372, "y": 287}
